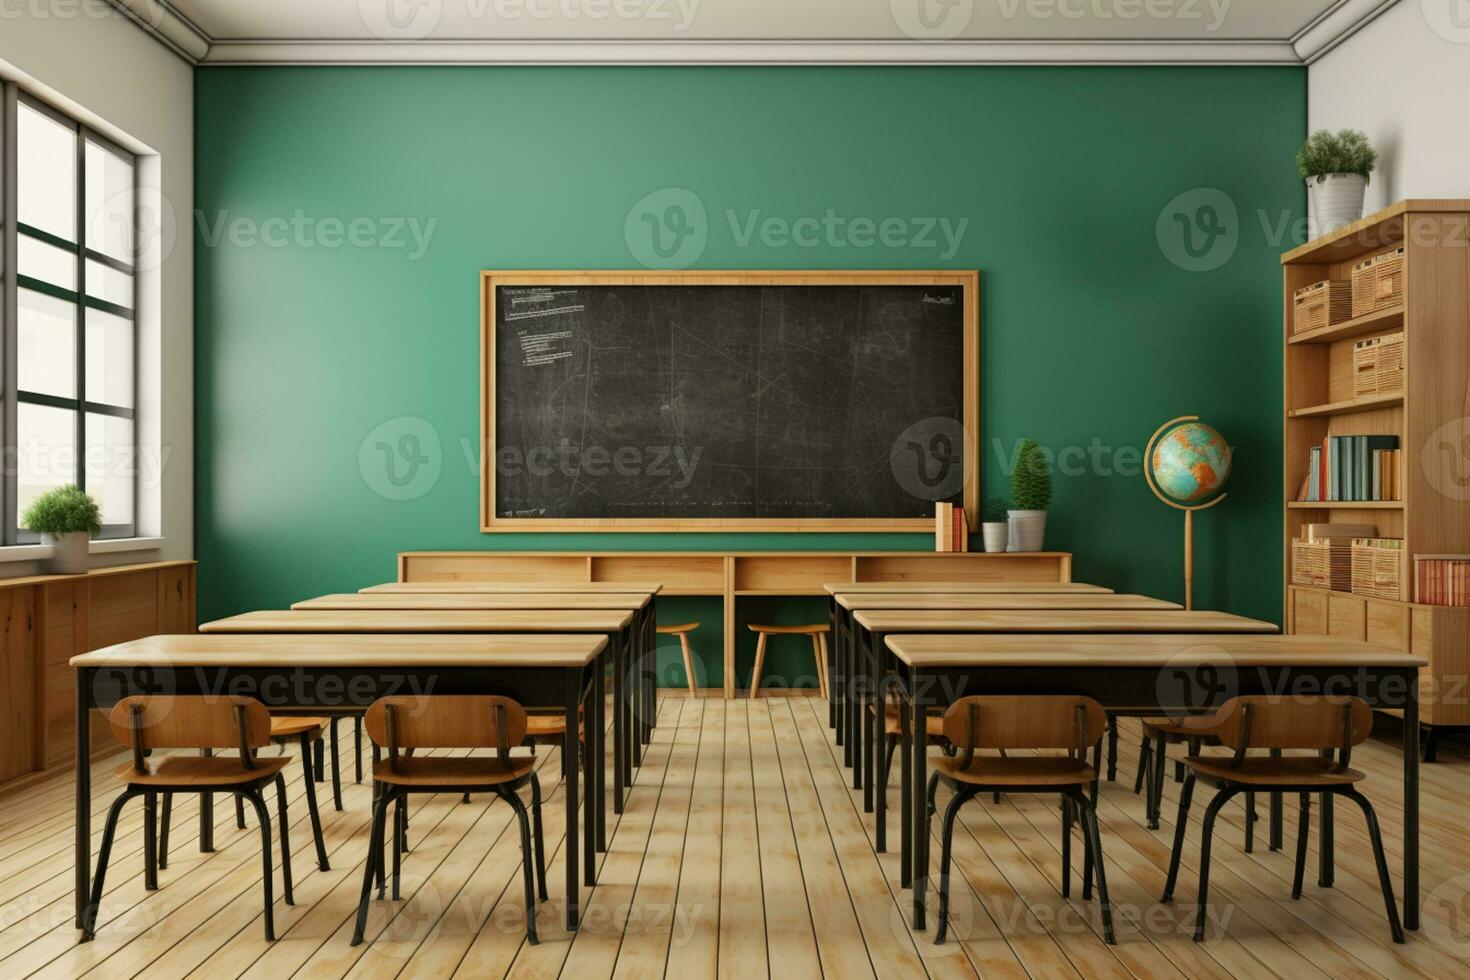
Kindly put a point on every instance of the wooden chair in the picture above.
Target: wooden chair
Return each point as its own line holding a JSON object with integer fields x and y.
{"x": 403, "y": 724}
{"x": 147, "y": 724}
{"x": 1006, "y": 723}
{"x": 1329, "y": 726}
{"x": 818, "y": 633}
{"x": 682, "y": 631}
{"x": 284, "y": 729}
{"x": 1158, "y": 733}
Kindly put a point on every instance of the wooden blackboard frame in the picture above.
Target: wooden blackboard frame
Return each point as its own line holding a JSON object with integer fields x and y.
{"x": 968, "y": 280}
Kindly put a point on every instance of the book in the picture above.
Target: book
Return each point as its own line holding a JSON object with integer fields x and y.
{"x": 1366, "y": 447}
{"x": 941, "y": 527}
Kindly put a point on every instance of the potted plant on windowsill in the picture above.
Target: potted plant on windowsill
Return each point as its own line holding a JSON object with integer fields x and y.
{"x": 1336, "y": 167}
{"x": 994, "y": 529}
{"x": 1030, "y": 497}
{"x": 65, "y": 518}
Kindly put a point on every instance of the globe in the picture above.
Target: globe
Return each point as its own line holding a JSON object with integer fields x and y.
{"x": 1190, "y": 463}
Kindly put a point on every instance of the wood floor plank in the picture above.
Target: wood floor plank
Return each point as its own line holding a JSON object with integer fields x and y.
{"x": 694, "y": 949}
{"x": 744, "y": 929}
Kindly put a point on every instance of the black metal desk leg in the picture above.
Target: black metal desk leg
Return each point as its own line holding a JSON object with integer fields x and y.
{"x": 880, "y": 786}
{"x": 1326, "y": 858}
{"x": 905, "y": 810}
{"x": 918, "y": 803}
{"x": 1275, "y": 823}
{"x": 597, "y": 764}
{"x": 572, "y": 700}
{"x": 872, "y": 720}
{"x": 1411, "y": 807}
{"x": 620, "y": 729}
{"x": 206, "y": 816}
{"x": 591, "y": 766}
{"x": 83, "y": 816}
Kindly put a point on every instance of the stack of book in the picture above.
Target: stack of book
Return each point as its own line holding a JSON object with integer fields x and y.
{"x": 1353, "y": 468}
{"x": 951, "y": 530}
{"x": 1442, "y": 580}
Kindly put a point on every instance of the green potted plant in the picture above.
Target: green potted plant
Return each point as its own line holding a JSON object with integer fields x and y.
{"x": 1030, "y": 497}
{"x": 1336, "y": 167}
{"x": 65, "y": 518}
{"x": 994, "y": 526}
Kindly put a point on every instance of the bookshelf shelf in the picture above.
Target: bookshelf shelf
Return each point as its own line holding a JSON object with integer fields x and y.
{"x": 1319, "y": 376}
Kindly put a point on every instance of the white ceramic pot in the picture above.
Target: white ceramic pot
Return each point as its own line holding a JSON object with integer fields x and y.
{"x": 1337, "y": 200}
{"x": 995, "y": 534}
{"x": 68, "y": 552}
{"x": 1027, "y": 530}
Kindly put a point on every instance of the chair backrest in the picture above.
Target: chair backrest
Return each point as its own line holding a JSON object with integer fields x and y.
{"x": 1292, "y": 722}
{"x": 1024, "y": 722}
{"x": 450, "y": 721}
{"x": 144, "y": 722}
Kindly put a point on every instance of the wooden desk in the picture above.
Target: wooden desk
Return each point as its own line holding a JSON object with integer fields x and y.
{"x": 1016, "y": 600}
{"x": 528, "y": 587}
{"x": 1165, "y": 671}
{"x": 337, "y": 671}
{"x": 478, "y": 600}
{"x": 959, "y": 588}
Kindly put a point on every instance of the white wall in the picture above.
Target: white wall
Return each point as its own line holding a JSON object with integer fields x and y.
{"x": 1404, "y": 80}
{"x": 90, "y": 61}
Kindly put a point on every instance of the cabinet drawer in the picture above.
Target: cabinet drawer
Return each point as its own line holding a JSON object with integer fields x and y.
{"x": 1309, "y": 612}
{"x": 1388, "y": 624}
{"x": 1346, "y": 617}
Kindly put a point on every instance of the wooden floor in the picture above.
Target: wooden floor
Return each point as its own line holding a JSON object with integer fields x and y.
{"x": 742, "y": 853}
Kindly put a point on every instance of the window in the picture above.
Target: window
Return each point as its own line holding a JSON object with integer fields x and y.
{"x": 70, "y": 342}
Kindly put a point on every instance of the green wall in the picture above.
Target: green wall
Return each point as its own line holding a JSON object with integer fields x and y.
{"x": 1097, "y": 322}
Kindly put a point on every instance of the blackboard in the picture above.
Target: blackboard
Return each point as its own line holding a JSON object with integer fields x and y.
{"x": 737, "y": 400}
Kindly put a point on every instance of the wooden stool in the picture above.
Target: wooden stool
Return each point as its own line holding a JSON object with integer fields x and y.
{"x": 818, "y": 633}
{"x": 682, "y": 631}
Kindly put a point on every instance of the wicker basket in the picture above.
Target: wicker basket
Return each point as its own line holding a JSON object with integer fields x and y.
{"x": 1324, "y": 564}
{"x": 1379, "y": 573}
{"x": 1378, "y": 365}
{"x": 1322, "y": 304}
{"x": 1378, "y": 282}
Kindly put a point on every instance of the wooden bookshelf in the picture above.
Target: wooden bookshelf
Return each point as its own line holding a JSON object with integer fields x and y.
{"x": 1319, "y": 401}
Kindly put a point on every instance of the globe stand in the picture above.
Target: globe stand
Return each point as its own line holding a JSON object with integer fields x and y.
{"x": 1188, "y": 509}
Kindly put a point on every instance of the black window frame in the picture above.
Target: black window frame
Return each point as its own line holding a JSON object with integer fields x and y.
{"x": 11, "y": 282}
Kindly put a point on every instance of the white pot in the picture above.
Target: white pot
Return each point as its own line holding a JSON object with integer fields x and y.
{"x": 995, "y": 534}
{"x": 1336, "y": 201}
{"x": 1027, "y": 530}
{"x": 68, "y": 552}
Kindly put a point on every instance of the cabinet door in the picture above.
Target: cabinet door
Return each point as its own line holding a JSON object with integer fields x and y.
{"x": 1388, "y": 624}
{"x": 1345, "y": 617}
{"x": 1309, "y": 612}
{"x": 19, "y": 730}
{"x": 176, "y": 600}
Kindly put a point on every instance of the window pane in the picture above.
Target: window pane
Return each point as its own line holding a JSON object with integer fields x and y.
{"x": 46, "y": 451}
{"x": 109, "y": 359}
{"x": 109, "y": 203}
{"x": 46, "y": 351}
{"x": 45, "y": 262}
{"x": 46, "y": 173}
{"x": 105, "y": 282}
{"x": 111, "y": 465}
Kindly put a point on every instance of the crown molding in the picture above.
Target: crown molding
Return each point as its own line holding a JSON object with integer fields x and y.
{"x": 169, "y": 27}
{"x": 1335, "y": 26}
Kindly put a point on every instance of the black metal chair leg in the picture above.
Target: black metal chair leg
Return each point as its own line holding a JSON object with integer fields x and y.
{"x": 94, "y": 901}
{"x": 1301, "y": 845}
{"x": 309, "y": 779}
{"x": 370, "y": 867}
{"x": 239, "y": 812}
{"x": 399, "y": 807}
{"x": 1395, "y": 928}
{"x": 945, "y": 849}
{"x": 1094, "y": 850}
{"x": 1087, "y": 857}
{"x": 264, "y": 816}
{"x": 336, "y": 768}
{"x": 285, "y": 839}
{"x": 150, "y": 841}
{"x": 1144, "y": 751}
{"x": 527, "y": 857}
{"x": 357, "y": 748}
{"x": 1066, "y": 847}
{"x": 932, "y": 790}
{"x": 1156, "y": 784}
{"x": 168, "y": 808}
{"x": 888, "y": 756}
{"x": 1186, "y": 795}
{"x": 1201, "y": 899}
{"x": 538, "y": 838}
{"x": 1112, "y": 748}
{"x": 1250, "y": 822}
{"x": 319, "y": 759}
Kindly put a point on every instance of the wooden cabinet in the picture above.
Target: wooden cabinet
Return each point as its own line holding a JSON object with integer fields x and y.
{"x": 1308, "y": 612}
{"x": 45, "y": 620}
{"x": 1346, "y": 616}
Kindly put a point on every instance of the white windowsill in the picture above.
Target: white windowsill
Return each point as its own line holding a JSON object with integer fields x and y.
{"x": 98, "y": 546}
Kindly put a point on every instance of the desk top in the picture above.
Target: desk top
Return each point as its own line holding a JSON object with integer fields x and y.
{"x": 960, "y": 588}
{"x": 423, "y": 621}
{"x": 399, "y": 651}
{"x": 1019, "y": 600}
{"x": 1057, "y": 621}
{"x": 1155, "y": 650}
{"x": 528, "y": 587}
{"x": 480, "y": 601}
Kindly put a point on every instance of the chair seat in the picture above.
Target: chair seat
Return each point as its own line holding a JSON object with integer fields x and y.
{"x": 1176, "y": 729}
{"x": 447, "y": 771}
{"x": 1266, "y": 771}
{"x": 549, "y": 724}
{"x": 1031, "y": 770}
{"x": 677, "y": 628}
{"x": 933, "y": 725}
{"x": 191, "y": 770}
{"x": 293, "y": 726}
{"x": 804, "y": 630}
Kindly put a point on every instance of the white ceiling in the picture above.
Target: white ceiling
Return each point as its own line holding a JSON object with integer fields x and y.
{"x": 753, "y": 31}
